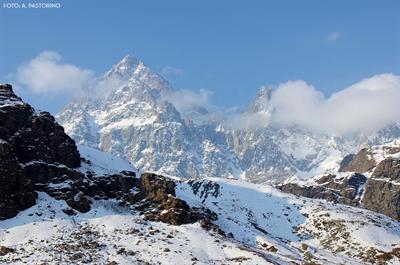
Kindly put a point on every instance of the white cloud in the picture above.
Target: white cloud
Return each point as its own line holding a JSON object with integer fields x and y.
{"x": 248, "y": 120}
{"x": 172, "y": 71}
{"x": 101, "y": 88}
{"x": 334, "y": 36}
{"x": 46, "y": 74}
{"x": 366, "y": 106}
{"x": 185, "y": 100}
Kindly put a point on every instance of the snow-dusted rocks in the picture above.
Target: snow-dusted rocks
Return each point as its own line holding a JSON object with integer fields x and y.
{"x": 370, "y": 179}
{"x": 27, "y": 139}
{"x": 261, "y": 225}
{"x": 288, "y": 229}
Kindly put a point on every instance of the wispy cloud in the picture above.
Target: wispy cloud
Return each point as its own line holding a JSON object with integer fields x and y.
{"x": 172, "y": 71}
{"x": 46, "y": 74}
{"x": 332, "y": 37}
{"x": 186, "y": 99}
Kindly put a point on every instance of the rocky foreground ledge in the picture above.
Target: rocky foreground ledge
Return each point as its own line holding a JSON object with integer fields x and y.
{"x": 37, "y": 156}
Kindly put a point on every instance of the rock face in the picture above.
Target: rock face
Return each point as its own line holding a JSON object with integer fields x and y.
{"x": 16, "y": 191}
{"x": 346, "y": 190}
{"x": 361, "y": 163}
{"x": 27, "y": 137}
{"x": 380, "y": 192}
{"x": 37, "y": 156}
{"x": 166, "y": 207}
{"x": 389, "y": 169}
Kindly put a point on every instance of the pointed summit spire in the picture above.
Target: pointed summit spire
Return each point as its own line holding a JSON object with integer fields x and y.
{"x": 124, "y": 68}
{"x": 128, "y": 60}
{"x": 261, "y": 101}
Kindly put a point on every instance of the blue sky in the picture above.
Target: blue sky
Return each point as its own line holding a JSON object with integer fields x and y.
{"x": 228, "y": 47}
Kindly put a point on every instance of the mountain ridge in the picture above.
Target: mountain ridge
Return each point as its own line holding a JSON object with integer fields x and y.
{"x": 259, "y": 151}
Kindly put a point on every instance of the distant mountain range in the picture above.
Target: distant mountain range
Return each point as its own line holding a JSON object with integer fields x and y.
{"x": 134, "y": 118}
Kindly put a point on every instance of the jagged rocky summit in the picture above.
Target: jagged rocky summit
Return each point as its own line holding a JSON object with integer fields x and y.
{"x": 37, "y": 156}
{"x": 142, "y": 120}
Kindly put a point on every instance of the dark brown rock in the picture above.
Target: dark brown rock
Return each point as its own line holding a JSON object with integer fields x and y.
{"x": 26, "y": 138}
{"x": 383, "y": 197}
{"x": 360, "y": 163}
{"x": 346, "y": 190}
{"x": 381, "y": 192}
{"x": 16, "y": 191}
{"x": 155, "y": 187}
{"x": 6, "y": 250}
{"x": 79, "y": 202}
{"x": 388, "y": 169}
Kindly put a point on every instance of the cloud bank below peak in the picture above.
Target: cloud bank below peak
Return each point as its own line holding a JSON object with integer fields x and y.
{"x": 366, "y": 106}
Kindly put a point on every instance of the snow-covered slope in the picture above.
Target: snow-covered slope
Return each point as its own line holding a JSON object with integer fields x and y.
{"x": 262, "y": 226}
{"x": 103, "y": 163}
{"x": 109, "y": 233}
{"x": 300, "y": 229}
{"x": 134, "y": 119}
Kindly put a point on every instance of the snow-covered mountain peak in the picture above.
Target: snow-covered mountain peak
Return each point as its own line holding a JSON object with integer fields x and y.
{"x": 151, "y": 79}
{"x": 133, "y": 120}
{"x": 132, "y": 72}
{"x": 124, "y": 68}
{"x": 261, "y": 101}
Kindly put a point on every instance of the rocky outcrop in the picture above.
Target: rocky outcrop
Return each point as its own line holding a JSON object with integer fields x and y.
{"x": 388, "y": 169}
{"x": 380, "y": 192}
{"x": 34, "y": 136}
{"x": 159, "y": 195}
{"x": 360, "y": 163}
{"x": 34, "y": 150}
{"x": 36, "y": 155}
{"x": 346, "y": 190}
{"x": 25, "y": 137}
{"x": 383, "y": 197}
{"x": 16, "y": 191}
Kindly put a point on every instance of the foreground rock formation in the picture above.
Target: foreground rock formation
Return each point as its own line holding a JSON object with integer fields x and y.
{"x": 37, "y": 156}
